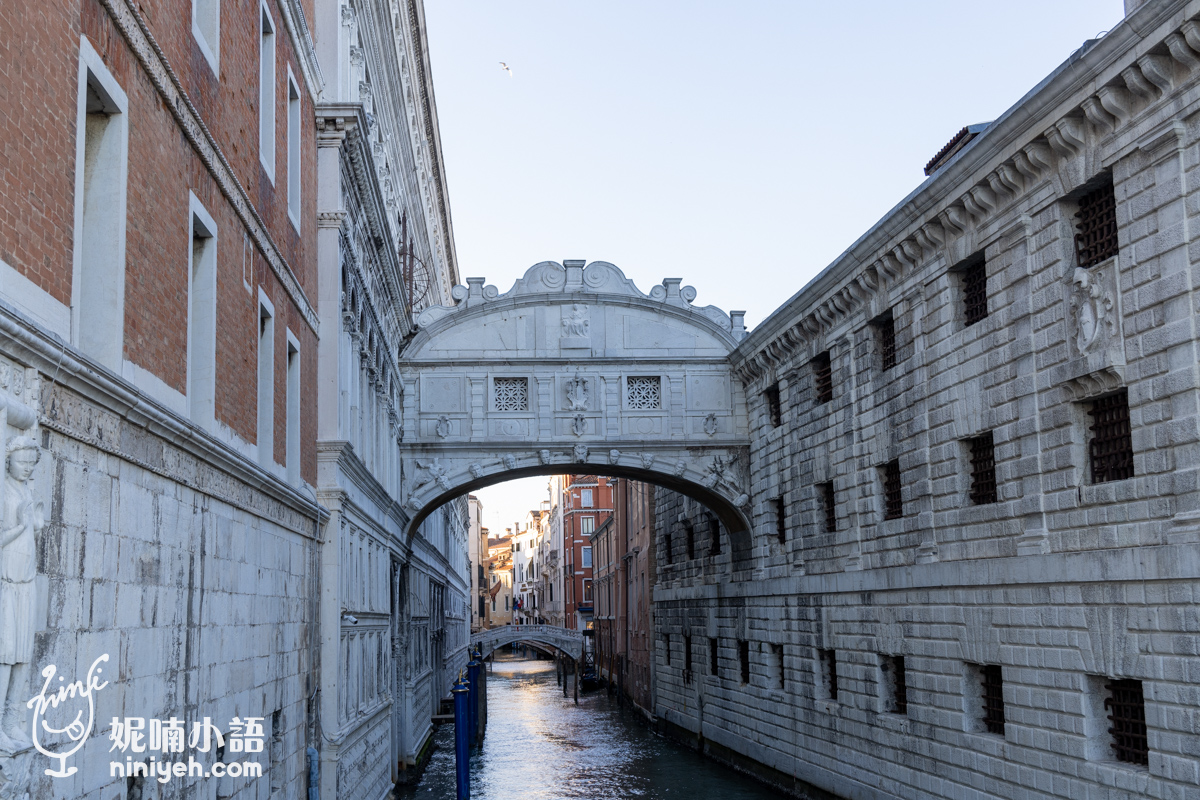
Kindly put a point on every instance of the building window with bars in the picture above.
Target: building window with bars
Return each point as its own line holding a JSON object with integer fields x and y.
{"x": 744, "y": 659}
{"x": 1096, "y": 223}
{"x": 713, "y": 658}
{"x": 885, "y": 332}
{"x": 777, "y": 657}
{"x": 973, "y": 275}
{"x": 667, "y": 648}
{"x": 822, "y": 367}
{"x": 1126, "y": 707}
{"x": 774, "y": 405}
{"x": 714, "y": 528}
{"x": 827, "y": 659}
{"x": 689, "y": 535}
{"x": 1111, "y": 445}
{"x": 895, "y": 684}
{"x": 687, "y": 658}
{"x": 780, "y": 510}
{"x": 643, "y": 393}
{"x": 893, "y": 502}
{"x": 510, "y": 394}
{"x": 983, "y": 469}
{"x": 828, "y": 506}
{"x": 992, "y": 697}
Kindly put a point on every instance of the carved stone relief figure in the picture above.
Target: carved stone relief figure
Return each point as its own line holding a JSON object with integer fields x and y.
{"x": 24, "y": 519}
{"x": 579, "y": 425}
{"x": 580, "y": 452}
{"x": 577, "y": 394}
{"x": 576, "y": 324}
{"x": 1093, "y": 309}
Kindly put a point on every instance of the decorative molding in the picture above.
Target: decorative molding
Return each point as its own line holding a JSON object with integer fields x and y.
{"x": 148, "y": 53}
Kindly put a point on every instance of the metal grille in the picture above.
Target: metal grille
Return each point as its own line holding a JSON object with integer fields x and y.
{"x": 774, "y": 407}
{"x": 899, "y": 683}
{"x": 893, "y": 502}
{"x": 744, "y": 659}
{"x": 1097, "y": 226}
{"x": 712, "y": 657}
{"x": 1127, "y": 712}
{"x": 780, "y": 519}
{"x": 887, "y": 341}
{"x": 823, "y": 377}
{"x": 974, "y": 281}
{"x": 829, "y": 660}
{"x": 829, "y": 500}
{"x": 1111, "y": 445}
{"x": 993, "y": 698}
{"x": 512, "y": 394}
{"x": 643, "y": 392}
{"x": 983, "y": 470}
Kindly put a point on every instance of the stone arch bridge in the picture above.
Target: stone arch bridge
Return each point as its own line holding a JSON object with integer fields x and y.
{"x": 566, "y": 641}
{"x": 575, "y": 370}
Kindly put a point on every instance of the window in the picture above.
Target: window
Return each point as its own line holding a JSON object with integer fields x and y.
{"x": 266, "y": 93}
{"x": 668, "y": 556}
{"x": 885, "y": 332}
{"x": 101, "y": 173}
{"x": 893, "y": 503}
{"x": 828, "y": 664}
{"x": 992, "y": 695}
{"x": 586, "y": 498}
{"x": 744, "y": 659}
{"x": 983, "y": 470}
{"x": 713, "y": 658}
{"x": 202, "y": 318}
{"x": 689, "y": 532}
{"x": 587, "y": 525}
{"x": 643, "y": 392}
{"x": 828, "y": 506}
{"x": 774, "y": 405}
{"x": 206, "y": 27}
{"x": 293, "y": 145}
{"x": 1111, "y": 447}
{"x": 293, "y": 409}
{"x": 1127, "y": 712}
{"x": 777, "y": 657}
{"x": 1096, "y": 240}
{"x": 714, "y": 527}
{"x": 687, "y": 658}
{"x": 266, "y": 382}
{"x": 895, "y": 684}
{"x": 973, "y": 276}
{"x": 551, "y": 586}
{"x": 587, "y": 557}
{"x": 780, "y": 519}
{"x": 822, "y": 367}
{"x": 587, "y": 590}
{"x": 510, "y": 394}
{"x": 506, "y": 602}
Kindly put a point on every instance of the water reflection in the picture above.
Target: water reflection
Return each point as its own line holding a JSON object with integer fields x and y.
{"x": 540, "y": 745}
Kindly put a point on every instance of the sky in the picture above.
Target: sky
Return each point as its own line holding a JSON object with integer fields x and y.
{"x": 740, "y": 146}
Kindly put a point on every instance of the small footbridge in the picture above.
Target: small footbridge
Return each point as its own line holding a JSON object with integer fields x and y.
{"x": 564, "y": 640}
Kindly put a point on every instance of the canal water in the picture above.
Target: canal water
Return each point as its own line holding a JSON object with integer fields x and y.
{"x": 539, "y": 744}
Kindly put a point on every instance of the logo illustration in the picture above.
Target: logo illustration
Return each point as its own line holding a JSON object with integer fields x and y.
{"x": 73, "y": 695}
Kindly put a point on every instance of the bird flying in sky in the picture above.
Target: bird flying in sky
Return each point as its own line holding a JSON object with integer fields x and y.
{"x": 506, "y": 68}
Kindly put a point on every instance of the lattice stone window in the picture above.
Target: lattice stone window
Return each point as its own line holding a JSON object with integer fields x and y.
{"x": 992, "y": 694}
{"x": 983, "y": 470}
{"x": 1097, "y": 226}
{"x": 822, "y": 368}
{"x": 1126, "y": 708}
{"x": 511, "y": 394}
{"x": 643, "y": 392}
{"x": 1112, "y": 443}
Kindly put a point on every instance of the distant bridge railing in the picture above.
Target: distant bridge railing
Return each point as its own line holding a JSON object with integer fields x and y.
{"x": 564, "y": 639}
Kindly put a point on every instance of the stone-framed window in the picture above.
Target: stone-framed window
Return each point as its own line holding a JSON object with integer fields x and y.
{"x": 894, "y": 683}
{"x": 510, "y": 394}
{"x": 893, "y": 500}
{"x": 972, "y": 278}
{"x": 776, "y": 652}
{"x": 885, "y": 336}
{"x": 1096, "y": 225}
{"x": 689, "y": 535}
{"x": 293, "y": 149}
{"x": 779, "y": 508}
{"x": 744, "y": 659}
{"x": 292, "y": 430}
{"x": 687, "y": 658}
{"x": 1110, "y": 447}
{"x": 643, "y": 392}
{"x": 202, "y": 316}
{"x": 774, "y": 405}
{"x": 992, "y": 694}
{"x": 1126, "y": 706}
{"x": 714, "y": 530}
{"x": 714, "y": 657}
{"x": 822, "y": 369}
{"x": 266, "y": 381}
{"x": 266, "y": 91}
{"x": 667, "y": 649}
{"x": 828, "y": 505}
{"x": 206, "y": 27}
{"x": 827, "y": 664}
{"x": 983, "y": 469}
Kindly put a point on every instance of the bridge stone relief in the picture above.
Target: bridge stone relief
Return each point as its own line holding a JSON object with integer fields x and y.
{"x": 576, "y": 370}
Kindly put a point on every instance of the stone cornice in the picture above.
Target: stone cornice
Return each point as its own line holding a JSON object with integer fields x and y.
{"x": 148, "y": 53}
{"x": 302, "y": 44}
{"x": 1093, "y": 102}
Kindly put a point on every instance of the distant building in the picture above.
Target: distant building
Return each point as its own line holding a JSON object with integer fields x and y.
{"x": 477, "y": 547}
{"x": 587, "y": 500}
{"x": 499, "y": 581}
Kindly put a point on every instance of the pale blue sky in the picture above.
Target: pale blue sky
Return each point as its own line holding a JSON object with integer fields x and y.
{"x": 739, "y": 146}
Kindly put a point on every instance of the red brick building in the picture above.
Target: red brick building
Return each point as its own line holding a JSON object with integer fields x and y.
{"x": 587, "y": 501}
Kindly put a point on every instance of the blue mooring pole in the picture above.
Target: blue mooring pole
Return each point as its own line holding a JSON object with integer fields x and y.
{"x": 462, "y": 741}
{"x": 473, "y": 699}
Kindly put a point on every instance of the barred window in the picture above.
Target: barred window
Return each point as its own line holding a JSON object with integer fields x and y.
{"x": 687, "y": 658}
{"x": 777, "y": 654}
{"x": 643, "y": 392}
{"x": 993, "y": 698}
{"x": 1127, "y": 713}
{"x": 689, "y": 533}
{"x": 983, "y": 470}
{"x": 974, "y": 287}
{"x": 780, "y": 509}
{"x": 885, "y": 329}
{"x": 1096, "y": 240}
{"x": 774, "y": 406}
{"x": 744, "y": 659}
{"x": 896, "y": 684}
{"x": 713, "y": 657}
{"x": 893, "y": 507}
{"x": 822, "y": 367}
{"x": 1112, "y": 443}
{"x": 828, "y": 661}
{"x": 714, "y": 527}
{"x": 667, "y": 648}
{"x": 511, "y": 394}
{"x": 829, "y": 501}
